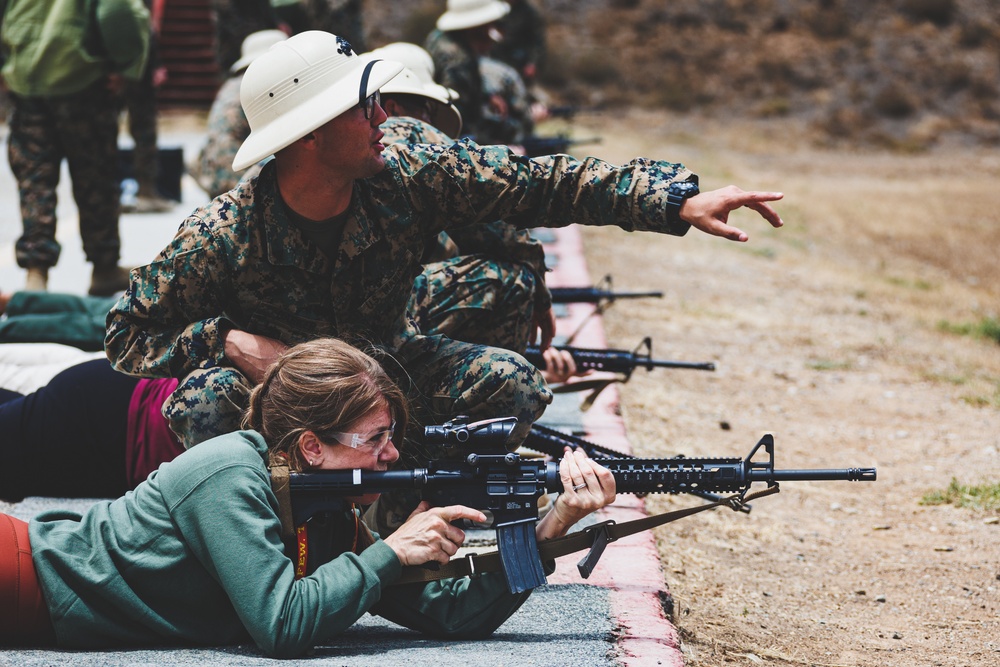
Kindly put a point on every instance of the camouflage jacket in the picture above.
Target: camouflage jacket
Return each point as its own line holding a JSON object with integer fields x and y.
{"x": 226, "y": 130}
{"x": 237, "y": 262}
{"x": 523, "y": 36}
{"x": 501, "y": 79}
{"x": 457, "y": 67}
{"x": 497, "y": 240}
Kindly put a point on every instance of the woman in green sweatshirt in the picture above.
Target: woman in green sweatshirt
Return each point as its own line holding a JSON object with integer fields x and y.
{"x": 194, "y": 555}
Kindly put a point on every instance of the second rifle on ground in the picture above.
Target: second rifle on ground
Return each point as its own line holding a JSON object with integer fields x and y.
{"x": 617, "y": 361}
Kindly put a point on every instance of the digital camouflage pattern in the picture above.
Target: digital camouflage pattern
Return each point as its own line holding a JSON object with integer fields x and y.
{"x": 83, "y": 129}
{"x": 225, "y": 132}
{"x": 487, "y": 296}
{"x": 457, "y": 67}
{"x": 502, "y": 80}
{"x": 237, "y": 262}
{"x": 523, "y": 40}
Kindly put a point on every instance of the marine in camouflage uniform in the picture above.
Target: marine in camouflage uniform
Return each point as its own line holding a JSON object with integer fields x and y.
{"x": 481, "y": 284}
{"x": 239, "y": 262}
{"x": 456, "y": 66}
{"x": 64, "y": 107}
{"x": 501, "y": 79}
{"x": 523, "y": 43}
{"x": 226, "y": 129}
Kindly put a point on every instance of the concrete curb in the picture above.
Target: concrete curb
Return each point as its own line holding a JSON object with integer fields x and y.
{"x": 630, "y": 567}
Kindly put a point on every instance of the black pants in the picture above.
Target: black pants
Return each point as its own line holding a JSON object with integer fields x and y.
{"x": 68, "y": 438}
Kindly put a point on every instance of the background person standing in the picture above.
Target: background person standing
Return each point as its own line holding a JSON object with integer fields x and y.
{"x": 64, "y": 66}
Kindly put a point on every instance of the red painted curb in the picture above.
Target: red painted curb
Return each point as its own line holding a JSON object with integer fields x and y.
{"x": 630, "y": 568}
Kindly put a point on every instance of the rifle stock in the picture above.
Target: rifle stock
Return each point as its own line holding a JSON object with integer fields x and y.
{"x": 507, "y": 487}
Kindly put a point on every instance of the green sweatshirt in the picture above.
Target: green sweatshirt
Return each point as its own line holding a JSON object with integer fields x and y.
{"x": 60, "y": 47}
{"x": 193, "y": 556}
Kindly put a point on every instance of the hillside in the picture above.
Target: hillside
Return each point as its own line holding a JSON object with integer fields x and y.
{"x": 904, "y": 74}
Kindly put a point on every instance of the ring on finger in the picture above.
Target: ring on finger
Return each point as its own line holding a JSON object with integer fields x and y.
{"x": 579, "y": 486}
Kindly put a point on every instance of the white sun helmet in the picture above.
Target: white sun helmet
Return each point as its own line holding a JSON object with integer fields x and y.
{"x": 417, "y": 78}
{"x": 300, "y": 84}
{"x": 256, "y": 44}
{"x": 462, "y": 14}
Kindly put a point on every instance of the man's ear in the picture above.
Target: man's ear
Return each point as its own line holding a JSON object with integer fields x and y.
{"x": 392, "y": 108}
{"x": 309, "y": 446}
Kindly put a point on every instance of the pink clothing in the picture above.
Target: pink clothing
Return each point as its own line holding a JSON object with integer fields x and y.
{"x": 150, "y": 441}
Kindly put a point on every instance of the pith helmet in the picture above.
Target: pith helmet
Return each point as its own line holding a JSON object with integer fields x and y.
{"x": 417, "y": 78}
{"x": 300, "y": 84}
{"x": 462, "y": 14}
{"x": 256, "y": 44}
{"x": 444, "y": 115}
{"x": 413, "y": 57}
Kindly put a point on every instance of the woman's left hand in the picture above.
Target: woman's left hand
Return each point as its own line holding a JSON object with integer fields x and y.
{"x": 588, "y": 486}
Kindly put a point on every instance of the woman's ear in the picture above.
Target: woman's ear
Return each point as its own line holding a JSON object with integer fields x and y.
{"x": 310, "y": 447}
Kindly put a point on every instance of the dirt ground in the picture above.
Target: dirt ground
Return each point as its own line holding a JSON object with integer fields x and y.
{"x": 827, "y": 334}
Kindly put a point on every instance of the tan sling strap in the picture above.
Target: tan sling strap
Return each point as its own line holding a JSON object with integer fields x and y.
{"x": 282, "y": 490}
{"x": 594, "y": 537}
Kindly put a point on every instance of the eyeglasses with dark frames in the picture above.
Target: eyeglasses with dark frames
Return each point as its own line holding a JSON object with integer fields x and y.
{"x": 369, "y": 104}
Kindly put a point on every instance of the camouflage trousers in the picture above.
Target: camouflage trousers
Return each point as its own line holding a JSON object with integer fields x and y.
{"x": 83, "y": 129}
{"x": 475, "y": 300}
{"x": 140, "y": 102}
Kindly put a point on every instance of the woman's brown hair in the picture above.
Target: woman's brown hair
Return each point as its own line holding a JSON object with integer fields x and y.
{"x": 321, "y": 386}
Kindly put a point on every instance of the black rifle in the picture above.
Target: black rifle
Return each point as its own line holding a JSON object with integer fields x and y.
{"x": 601, "y": 295}
{"x": 569, "y": 111}
{"x": 507, "y": 487}
{"x": 535, "y": 146}
{"x": 616, "y": 361}
{"x": 595, "y": 295}
{"x": 552, "y": 442}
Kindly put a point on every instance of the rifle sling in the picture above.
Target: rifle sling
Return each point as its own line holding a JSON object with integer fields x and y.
{"x": 282, "y": 491}
{"x": 476, "y": 564}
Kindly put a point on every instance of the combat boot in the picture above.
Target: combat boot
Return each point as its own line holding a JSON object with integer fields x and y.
{"x": 108, "y": 280}
{"x": 37, "y": 279}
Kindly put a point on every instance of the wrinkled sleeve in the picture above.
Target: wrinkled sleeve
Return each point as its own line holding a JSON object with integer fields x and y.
{"x": 124, "y": 28}
{"x": 170, "y": 322}
{"x": 238, "y": 542}
{"x": 465, "y": 183}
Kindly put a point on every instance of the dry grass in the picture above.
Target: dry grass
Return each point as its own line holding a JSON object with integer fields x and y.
{"x": 828, "y": 334}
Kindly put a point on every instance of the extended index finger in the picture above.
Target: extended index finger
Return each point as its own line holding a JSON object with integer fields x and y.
{"x": 456, "y": 512}
{"x": 757, "y": 201}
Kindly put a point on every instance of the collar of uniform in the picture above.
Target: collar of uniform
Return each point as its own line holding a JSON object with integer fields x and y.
{"x": 359, "y": 232}
{"x": 285, "y": 244}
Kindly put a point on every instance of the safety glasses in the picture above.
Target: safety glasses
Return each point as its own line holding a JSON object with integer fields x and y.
{"x": 375, "y": 443}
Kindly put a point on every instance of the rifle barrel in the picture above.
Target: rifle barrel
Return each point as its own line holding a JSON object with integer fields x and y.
{"x": 594, "y": 295}
{"x": 692, "y": 365}
{"x": 614, "y": 361}
{"x": 842, "y": 474}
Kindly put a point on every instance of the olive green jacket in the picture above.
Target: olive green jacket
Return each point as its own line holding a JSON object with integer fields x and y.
{"x": 53, "y": 48}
